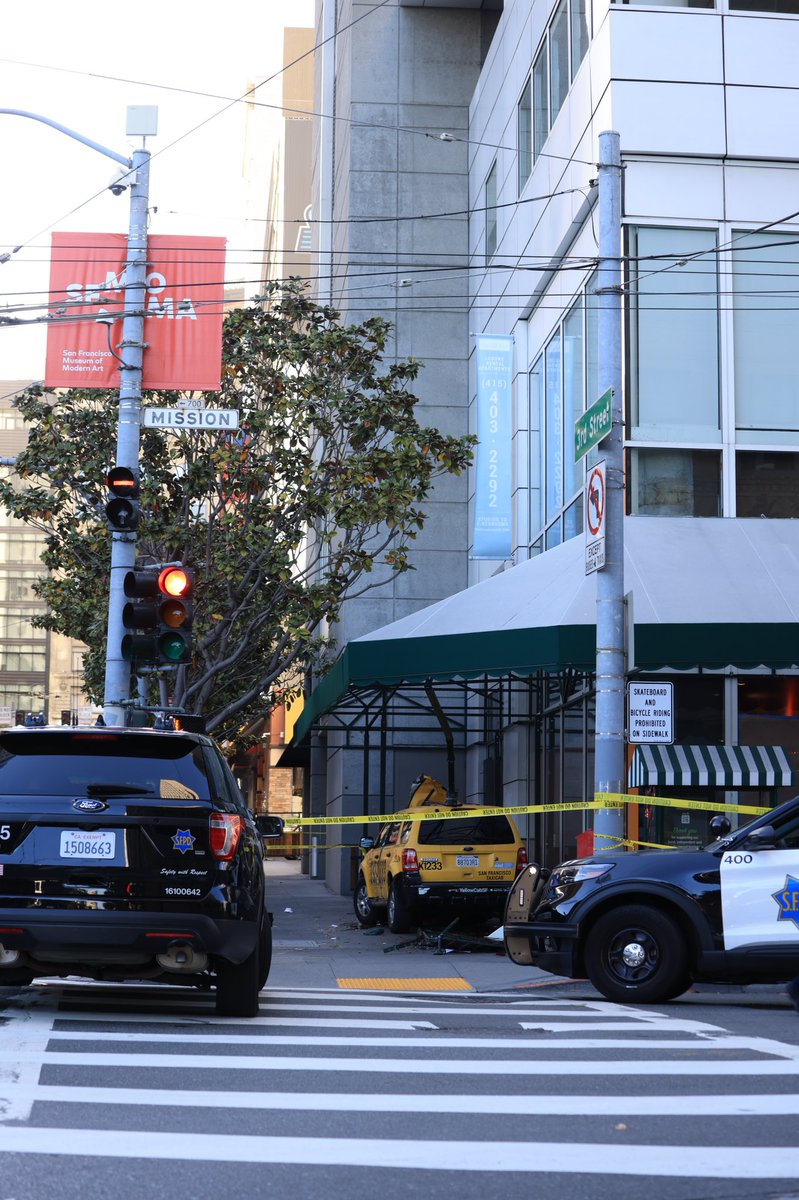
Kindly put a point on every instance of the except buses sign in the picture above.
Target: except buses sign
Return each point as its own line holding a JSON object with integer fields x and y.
{"x": 594, "y": 425}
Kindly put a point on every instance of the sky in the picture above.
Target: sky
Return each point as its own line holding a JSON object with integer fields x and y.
{"x": 82, "y": 65}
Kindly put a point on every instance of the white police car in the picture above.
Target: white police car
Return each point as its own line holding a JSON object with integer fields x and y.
{"x": 642, "y": 926}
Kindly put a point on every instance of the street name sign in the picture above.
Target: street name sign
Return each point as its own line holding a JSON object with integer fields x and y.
{"x": 650, "y": 712}
{"x": 594, "y": 425}
{"x": 191, "y": 418}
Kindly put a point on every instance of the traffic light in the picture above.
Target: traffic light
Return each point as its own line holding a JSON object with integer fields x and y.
{"x": 160, "y": 607}
{"x": 122, "y": 509}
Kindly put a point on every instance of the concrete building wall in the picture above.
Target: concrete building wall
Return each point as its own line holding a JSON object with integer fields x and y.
{"x": 397, "y": 78}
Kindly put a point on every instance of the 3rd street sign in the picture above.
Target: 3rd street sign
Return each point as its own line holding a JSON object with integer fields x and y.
{"x": 594, "y": 425}
{"x": 191, "y": 418}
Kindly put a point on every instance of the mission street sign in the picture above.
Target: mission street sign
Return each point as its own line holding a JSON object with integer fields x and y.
{"x": 191, "y": 418}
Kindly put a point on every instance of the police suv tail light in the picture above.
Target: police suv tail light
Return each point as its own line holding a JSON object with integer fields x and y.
{"x": 521, "y": 859}
{"x": 409, "y": 860}
{"x": 225, "y": 831}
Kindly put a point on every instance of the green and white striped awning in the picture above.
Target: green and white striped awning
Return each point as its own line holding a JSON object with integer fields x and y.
{"x": 710, "y": 766}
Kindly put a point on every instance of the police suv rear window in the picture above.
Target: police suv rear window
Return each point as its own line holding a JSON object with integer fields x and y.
{"x": 42, "y": 764}
{"x": 466, "y": 831}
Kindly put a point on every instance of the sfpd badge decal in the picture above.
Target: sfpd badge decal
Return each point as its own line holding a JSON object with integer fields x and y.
{"x": 788, "y": 900}
{"x": 183, "y": 840}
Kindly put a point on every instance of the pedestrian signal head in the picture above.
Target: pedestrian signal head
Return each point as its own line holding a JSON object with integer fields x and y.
{"x": 122, "y": 507}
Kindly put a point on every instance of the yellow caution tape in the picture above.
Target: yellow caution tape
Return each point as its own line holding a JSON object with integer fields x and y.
{"x": 455, "y": 814}
{"x": 601, "y": 800}
{"x": 616, "y": 798}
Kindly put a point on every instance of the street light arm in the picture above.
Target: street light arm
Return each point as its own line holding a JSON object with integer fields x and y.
{"x": 16, "y": 112}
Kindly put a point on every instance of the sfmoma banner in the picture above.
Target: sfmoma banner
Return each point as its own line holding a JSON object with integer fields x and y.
{"x": 183, "y": 306}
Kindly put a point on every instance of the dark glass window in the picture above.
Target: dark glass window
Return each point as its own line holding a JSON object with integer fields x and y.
{"x": 466, "y": 831}
{"x": 766, "y": 484}
{"x": 674, "y": 483}
{"x": 34, "y": 764}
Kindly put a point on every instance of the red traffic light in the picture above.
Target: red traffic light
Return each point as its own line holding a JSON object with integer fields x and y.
{"x": 162, "y": 609}
{"x": 175, "y": 581}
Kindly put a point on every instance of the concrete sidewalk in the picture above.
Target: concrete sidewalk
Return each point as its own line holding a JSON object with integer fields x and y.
{"x": 319, "y": 944}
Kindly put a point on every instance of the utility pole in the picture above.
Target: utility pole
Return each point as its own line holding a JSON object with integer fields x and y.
{"x": 142, "y": 120}
{"x": 609, "y": 758}
{"x": 123, "y": 545}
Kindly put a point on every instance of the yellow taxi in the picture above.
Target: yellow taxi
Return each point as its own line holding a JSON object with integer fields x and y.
{"x": 458, "y": 863}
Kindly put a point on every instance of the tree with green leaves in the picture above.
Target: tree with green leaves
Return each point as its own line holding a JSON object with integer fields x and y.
{"x": 316, "y": 498}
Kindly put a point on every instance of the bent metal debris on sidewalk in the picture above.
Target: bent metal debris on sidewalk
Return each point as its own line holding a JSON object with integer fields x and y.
{"x": 445, "y": 941}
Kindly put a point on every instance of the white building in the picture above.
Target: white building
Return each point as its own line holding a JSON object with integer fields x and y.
{"x": 705, "y": 99}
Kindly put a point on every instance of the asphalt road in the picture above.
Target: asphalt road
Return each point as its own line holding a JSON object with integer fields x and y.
{"x": 373, "y": 1068}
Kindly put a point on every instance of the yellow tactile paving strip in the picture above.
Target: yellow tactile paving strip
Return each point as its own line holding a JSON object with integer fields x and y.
{"x": 402, "y": 984}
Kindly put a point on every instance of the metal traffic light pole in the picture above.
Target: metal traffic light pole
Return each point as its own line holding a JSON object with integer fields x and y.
{"x": 123, "y": 545}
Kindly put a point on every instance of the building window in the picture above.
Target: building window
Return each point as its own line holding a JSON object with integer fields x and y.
{"x": 579, "y": 34}
{"x": 27, "y": 659}
{"x": 563, "y": 48}
{"x": 16, "y": 623}
{"x": 524, "y": 134}
{"x": 766, "y": 332}
{"x": 535, "y": 473}
{"x": 674, "y": 483}
{"x": 765, "y": 6}
{"x": 558, "y": 382}
{"x": 20, "y": 547}
{"x": 674, "y": 336}
{"x": 766, "y": 484}
{"x": 19, "y": 585}
{"x": 491, "y": 211}
{"x": 553, "y": 424}
{"x": 540, "y": 100}
{"x": 558, "y": 59}
{"x": 684, "y": 3}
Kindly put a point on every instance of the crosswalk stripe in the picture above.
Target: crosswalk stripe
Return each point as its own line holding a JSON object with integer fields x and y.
{"x": 541, "y": 1104}
{"x": 408, "y": 1066}
{"x": 511, "y": 1042}
{"x": 532, "y": 1158}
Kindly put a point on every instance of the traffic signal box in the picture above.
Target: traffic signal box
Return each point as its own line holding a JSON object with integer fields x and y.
{"x": 160, "y": 607}
{"x": 122, "y": 508}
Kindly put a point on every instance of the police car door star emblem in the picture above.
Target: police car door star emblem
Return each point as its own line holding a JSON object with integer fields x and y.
{"x": 788, "y": 900}
{"x": 183, "y": 840}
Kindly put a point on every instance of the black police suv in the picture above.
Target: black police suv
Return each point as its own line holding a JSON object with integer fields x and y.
{"x": 642, "y": 926}
{"x": 130, "y": 854}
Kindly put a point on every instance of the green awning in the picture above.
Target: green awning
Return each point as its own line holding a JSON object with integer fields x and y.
{"x": 701, "y": 592}
{"x": 710, "y": 766}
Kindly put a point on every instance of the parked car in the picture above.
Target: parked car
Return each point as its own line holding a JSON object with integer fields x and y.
{"x": 130, "y": 854}
{"x": 456, "y": 863}
{"x": 642, "y": 926}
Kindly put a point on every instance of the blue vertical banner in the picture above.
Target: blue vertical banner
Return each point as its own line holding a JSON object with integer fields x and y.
{"x": 493, "y": 515}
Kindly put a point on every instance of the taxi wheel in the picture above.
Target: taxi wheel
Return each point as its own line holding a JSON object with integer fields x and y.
{"x": 637, "y": 954}
{"x": 398, "y": 914}
{"x": 363, "y": 905}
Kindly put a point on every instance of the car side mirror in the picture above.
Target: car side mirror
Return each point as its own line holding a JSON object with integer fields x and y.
{"x": 764, "y": 838}
{"x": 269, "y": 826}
{"x": 366, "y": 843}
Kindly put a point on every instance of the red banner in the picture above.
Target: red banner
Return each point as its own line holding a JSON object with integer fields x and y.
{"x": 183, "y": 305}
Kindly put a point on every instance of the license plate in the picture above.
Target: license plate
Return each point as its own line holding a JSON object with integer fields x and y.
{"x": 75, "y": 844}
{"x": 467, "y": 860}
